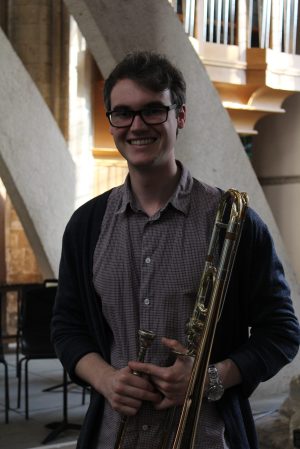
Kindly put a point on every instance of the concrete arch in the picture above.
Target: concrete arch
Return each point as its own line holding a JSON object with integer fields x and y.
{"x": 35, "y": 164}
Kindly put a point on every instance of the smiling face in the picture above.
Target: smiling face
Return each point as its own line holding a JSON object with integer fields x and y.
{"x": 140, "y": 144}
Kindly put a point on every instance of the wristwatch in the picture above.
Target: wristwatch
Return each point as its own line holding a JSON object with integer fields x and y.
{"x": 215, "y": 388}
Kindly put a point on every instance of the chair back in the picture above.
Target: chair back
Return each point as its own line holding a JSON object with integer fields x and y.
{"x": 35, "y": 318}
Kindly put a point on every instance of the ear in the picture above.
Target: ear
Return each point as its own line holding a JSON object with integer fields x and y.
{"x": 181, "y": 117}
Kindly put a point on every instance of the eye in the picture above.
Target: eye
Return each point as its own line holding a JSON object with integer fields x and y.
{"x": 153, "y": 111}
{"x": 122, "y": 114}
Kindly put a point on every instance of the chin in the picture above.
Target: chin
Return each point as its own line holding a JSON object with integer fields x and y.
{"x": 142, "y": 161}
{"x": 142, "y": 165}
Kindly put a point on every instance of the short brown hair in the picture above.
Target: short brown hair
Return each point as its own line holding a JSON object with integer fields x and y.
{"x": 151, "y": 70}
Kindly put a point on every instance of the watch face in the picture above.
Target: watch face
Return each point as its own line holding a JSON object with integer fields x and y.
{"x": 215, "y": 392}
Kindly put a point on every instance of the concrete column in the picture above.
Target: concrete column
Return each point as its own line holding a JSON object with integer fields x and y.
{"x": 39, "y": 33}
{"x": 276, "y": 160}
{"x": 35, "y": 164}
{"x": 2, "y": 233}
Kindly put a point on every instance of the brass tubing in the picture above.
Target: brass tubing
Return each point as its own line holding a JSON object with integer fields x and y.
{"x": 145, "y": 340}
{"x": 208, "y": 308}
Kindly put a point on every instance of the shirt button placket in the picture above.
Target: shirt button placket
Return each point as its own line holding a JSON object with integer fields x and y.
{"x": 146, "y": 275}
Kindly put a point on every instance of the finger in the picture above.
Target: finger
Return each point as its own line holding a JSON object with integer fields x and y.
{"x": 129, "y": 407}
{"x": 127, "y": 411}
{"x": 147, "y": 368}
{"x": 137, "y": 388}
{"x": 128, "y": 400}
{"x": 175, "y": 346}
{"x": 166, "y": 403}
{"x": 126, "y": 377}
{"x": 164, "y": 379}
{"x": 167, "y": 380}
{"x": 119, "y": 402}
{"x": 137, "y": 393}
{"x": 164, "y": 376}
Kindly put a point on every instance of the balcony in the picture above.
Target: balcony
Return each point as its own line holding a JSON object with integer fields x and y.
{"x": 249, "y": 49}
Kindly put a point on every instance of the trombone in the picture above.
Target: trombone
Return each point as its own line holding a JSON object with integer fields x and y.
{"x": 208, "y": 307}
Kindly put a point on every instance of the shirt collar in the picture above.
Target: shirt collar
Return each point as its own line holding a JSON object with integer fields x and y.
{"x": 180, "y": 199}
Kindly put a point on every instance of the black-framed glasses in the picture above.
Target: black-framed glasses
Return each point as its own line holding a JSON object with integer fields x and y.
{"x": 154, "y": 115}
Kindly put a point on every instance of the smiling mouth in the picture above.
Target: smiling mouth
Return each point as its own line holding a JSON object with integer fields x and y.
{"x": 142, "y": 141}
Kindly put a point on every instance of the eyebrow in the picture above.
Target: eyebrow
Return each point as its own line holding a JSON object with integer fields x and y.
{"x": 121, "y": 107}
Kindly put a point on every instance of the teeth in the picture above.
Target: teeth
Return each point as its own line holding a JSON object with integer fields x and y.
{"x": 143, "y": 141}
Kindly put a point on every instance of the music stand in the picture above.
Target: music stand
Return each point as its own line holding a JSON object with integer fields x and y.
{"x": 59, "y": 427}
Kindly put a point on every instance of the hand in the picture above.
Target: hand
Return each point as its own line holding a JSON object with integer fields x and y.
{"x": 170, "y": 381}
{"x": 125, "y": 391}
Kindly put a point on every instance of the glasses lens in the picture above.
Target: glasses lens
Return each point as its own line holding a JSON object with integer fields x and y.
{"x": 121, "y": 118}
{"x": 154, "y": 116}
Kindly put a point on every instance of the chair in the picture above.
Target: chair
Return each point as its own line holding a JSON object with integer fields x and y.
{"x": 34, "y": 336}
{"x": 4, "y": 363}
{"x": 35, "y": 343}
{"x": 21, "y": 292}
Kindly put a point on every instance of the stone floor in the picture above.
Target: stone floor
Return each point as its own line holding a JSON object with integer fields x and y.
{"x": 47, "y": 407}
{"x": 271, "y": 425}
{"x": 44, "y": 408}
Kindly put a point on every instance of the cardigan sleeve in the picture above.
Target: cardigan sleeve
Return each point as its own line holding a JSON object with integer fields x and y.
{"x": 78, "y": 325}
{"x": 273, "y": 327}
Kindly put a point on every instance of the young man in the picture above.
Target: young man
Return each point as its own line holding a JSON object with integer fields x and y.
{"x": 132, "y": 259}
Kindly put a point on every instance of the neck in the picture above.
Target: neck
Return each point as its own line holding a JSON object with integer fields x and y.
{"x": 153, "y": 188}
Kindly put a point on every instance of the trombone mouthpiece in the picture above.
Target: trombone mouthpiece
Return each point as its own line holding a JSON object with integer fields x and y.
{"x": 145, "y": 341}
{"x": 146, "y": 338}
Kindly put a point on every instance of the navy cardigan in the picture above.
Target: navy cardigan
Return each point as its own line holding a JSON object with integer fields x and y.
{"x": 258, "y": 298}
